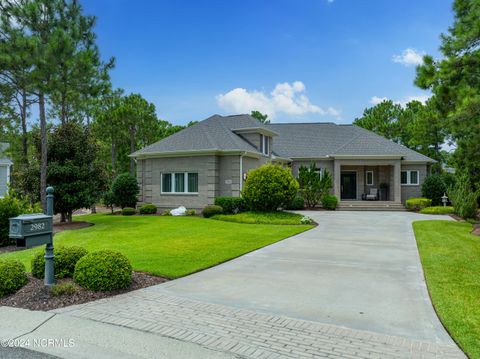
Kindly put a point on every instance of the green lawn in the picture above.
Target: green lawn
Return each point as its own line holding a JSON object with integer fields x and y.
{"x": 261, "y": 218}
{"x": 168, "y": 246}
{"x": 451, "y": 261}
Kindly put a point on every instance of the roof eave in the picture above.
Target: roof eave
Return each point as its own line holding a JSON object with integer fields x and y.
{"x": 368, "y": 157}
{"x": 261, "y": 130}
{"x": 194, "y": 153}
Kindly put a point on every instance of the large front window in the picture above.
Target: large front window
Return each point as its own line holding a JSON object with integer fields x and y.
{"x": 180, "y": 182}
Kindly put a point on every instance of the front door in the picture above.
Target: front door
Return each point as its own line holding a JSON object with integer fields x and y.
{"x": 348, "y": 182}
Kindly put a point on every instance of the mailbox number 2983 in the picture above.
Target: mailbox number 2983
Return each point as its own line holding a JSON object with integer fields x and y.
{"x": 37, "y": 226}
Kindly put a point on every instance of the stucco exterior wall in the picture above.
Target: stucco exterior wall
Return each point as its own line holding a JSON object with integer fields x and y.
{"x": 414, "y": 191}
{"x": 217, "y": 176}
{"x": 149, "y": 178}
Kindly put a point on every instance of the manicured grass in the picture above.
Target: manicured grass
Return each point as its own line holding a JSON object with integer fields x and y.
{"x": 450, "y": 258}
{"x": 437, "y": 210}
{"x": 168, "y": 246}
{"x": 261, "y": 218}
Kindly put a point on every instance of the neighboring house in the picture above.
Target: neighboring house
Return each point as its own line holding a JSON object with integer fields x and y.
{"x": 5, "y": 165}
{"x": 212, "y": 159}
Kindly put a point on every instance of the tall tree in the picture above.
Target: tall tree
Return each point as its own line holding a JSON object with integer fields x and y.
{"x": 382, "y": 119}
{"x": 455, "y": 82}
{"x": 260, "y": 116}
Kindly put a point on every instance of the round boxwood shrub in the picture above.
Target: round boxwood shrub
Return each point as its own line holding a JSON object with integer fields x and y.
{"x": 128, "y": 211}
{"x": 329, "y": 202}
{"x": 297, "y": 203}
{"x": 12, "y": 276}
{"x": 148, "y": 208}
{"x": 65, "y": 260}
{"x": 103, "y": 271}
{"x": 125, "y": 190}
{"x": 210, "y": 211}
{"x": 269, "y": 187}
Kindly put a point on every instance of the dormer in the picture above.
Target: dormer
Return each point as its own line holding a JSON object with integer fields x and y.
{"x": 260, "y": 137}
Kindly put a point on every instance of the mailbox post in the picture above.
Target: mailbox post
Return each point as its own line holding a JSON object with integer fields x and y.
{"x": 49, "y": 256}
{"x": 30, "y": 230}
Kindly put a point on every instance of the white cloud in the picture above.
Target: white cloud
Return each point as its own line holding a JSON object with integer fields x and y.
{"x": 375, "y": 100}
{"x": 409, "y": 57}
{"x": 288, "y": 98}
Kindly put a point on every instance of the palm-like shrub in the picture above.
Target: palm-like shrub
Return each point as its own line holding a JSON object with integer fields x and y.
{"x": 463, "y": 198}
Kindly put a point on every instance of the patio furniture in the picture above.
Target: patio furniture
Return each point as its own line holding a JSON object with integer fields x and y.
{"x": 372, "y": 195}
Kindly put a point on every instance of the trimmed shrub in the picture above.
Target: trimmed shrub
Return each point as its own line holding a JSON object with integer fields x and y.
{"x": 103, "y": 271}
{"x": 190, "y": 212}
{"x": 128, "y": 211}
{"x": 269, "y": 188}
{"x": 436, "y": 185}
{"x": 231, "y": 205}
{"x": 210, "y": 211}
{"x": 66, "y": 288}
{"x": 167, "y": 212}
{"x": 12, "y": 276}
{"x": 329, "y": 202}
{"x": 297, "y": 203}
{"x": 65, "y": 260}
{"x": 12, "y": 207}
{"x": 417, "y": 204}
{"x": 125, "y": 190}
{"x": 437, "y": 210}
{"x": 148, "y": 208}
{"x": 464, "y": 200}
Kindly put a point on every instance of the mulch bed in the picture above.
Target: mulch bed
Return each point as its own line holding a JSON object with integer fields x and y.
{"x": 35, "y": 296}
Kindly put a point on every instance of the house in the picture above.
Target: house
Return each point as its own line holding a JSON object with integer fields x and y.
{"x": 213, "y": 157}
{"x": 5, "y": 165}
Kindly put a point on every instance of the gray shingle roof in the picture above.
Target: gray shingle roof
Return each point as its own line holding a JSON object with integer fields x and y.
{"x": 213, "y": 134}
{"x": 305, "y": 140}
{"x": 294, "y": 140}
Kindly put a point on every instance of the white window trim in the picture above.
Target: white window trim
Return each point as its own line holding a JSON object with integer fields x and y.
{"x": 366, "y": 178}
{"x": 409, "y": 178}
{"x": 185, "y": 179}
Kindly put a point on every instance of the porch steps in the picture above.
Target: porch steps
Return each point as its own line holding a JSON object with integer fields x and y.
{"x": 370, "y": 206}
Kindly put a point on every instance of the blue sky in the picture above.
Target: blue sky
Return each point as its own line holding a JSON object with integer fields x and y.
{"x": 299, "y": 60}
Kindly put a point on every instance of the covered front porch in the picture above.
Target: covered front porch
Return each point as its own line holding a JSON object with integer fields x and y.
{"x": 368, "y": 181}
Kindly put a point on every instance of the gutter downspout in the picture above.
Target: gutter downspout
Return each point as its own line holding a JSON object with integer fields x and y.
{"x": 241, "y": 172}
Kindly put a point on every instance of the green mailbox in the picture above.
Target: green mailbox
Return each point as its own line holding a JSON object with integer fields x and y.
{"x": 30, "y": 230}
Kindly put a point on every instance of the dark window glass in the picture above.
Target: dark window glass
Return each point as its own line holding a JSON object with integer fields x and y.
{"x": 179, "y": 182}
{"x": 414, "y": 177}
{"x": 404, "y": 177}
{"x": 167, "y": 182}
{"x": 193, "y": 182}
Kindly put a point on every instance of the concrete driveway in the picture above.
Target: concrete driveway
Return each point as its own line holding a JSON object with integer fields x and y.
{"x": 359, "y": 270}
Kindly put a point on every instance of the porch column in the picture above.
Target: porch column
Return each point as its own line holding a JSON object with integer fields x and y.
{"x": 336, "y": 178}
{"x": 397, "y": 187}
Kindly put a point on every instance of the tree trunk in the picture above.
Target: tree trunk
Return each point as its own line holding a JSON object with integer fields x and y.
{"x": 132, "y": 149}
{"x": 63, "y": 217}
{"x": 114, "y": 156}
{"x": 24, "y": 128}
{"x": 43, "y": 157}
